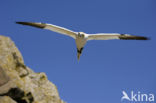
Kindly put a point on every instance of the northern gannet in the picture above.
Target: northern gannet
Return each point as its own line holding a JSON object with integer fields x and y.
{"x": 80, "y": 37}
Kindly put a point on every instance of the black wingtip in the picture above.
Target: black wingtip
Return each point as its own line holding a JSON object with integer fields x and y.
{"x": 141, "y": 38}
{"x": 132, "y": 37}
{"x": 18, "y": 22}
{"x": 21, "y": 23}
{"x": 24, "y": 23}
{"x": 38, "y": 25}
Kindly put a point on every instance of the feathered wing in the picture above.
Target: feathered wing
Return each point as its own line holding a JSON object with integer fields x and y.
{"x": 109, "y": 36}
{"x": 51, "y": 27}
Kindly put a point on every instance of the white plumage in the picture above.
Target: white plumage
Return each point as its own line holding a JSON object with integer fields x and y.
{"x": 80, "y": 37}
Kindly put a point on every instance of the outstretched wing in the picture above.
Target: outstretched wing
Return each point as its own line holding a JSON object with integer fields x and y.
{"x": 109, "y": 36}
{"x": 51, "y": 27}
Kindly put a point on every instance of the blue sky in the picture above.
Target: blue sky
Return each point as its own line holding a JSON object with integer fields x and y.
{"x": 106, "y": 68}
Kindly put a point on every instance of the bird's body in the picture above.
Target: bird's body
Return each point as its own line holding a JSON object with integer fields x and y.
{"x": 81, "y": 38}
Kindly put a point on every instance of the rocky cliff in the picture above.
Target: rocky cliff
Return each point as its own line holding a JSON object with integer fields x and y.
{"x": 18, "y": 83}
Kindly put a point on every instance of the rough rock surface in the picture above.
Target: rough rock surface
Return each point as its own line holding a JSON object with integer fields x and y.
{"x": 18, "y": 83}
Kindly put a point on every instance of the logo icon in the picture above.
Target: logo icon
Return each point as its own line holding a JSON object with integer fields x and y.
{"x": 125, "y": 96}
{"x": 137, "y": 97}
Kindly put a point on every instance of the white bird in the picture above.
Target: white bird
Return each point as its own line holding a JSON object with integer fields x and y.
{"x": 125, "y": 96}
{"x": 80, "y": 37}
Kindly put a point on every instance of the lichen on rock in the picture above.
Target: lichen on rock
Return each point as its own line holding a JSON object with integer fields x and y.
{"x": 18, "y": 83}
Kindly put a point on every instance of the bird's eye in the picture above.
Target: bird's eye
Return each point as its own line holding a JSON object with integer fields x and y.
{"x": 82, "y": 35}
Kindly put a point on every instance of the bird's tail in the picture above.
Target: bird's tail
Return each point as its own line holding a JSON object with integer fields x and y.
{"x": 79, "y": 52}
{"x": 78, "y": 56}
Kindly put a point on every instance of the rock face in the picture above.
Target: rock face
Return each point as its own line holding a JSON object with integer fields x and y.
{"x": 18, "y": 83}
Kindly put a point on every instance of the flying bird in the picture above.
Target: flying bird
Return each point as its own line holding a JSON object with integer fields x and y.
{"x": 81, "y": 38}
